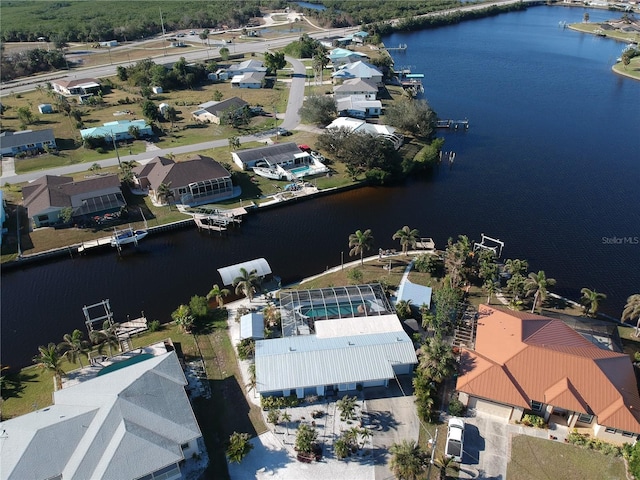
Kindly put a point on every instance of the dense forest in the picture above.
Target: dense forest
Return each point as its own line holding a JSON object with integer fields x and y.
{"x": 92, "y": 21}
{"x": 86, "y": 20}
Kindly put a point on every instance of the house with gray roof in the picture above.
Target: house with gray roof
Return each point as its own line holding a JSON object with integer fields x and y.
{"x": 30, "y": 142}
{"x": 248, "y": 80}
{"x": 356, "y": 86}
{"x": 360, "y": 70}
{"x": 214, "y": 112}
{"x": 247, "y": 66}
{"x": 47, "y": 197}
{"x": 270, "y": 155}
{"x": 130, "y": 422}
{"x": 191, "y": 182}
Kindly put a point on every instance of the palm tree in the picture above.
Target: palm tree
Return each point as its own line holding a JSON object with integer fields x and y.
{"x": 218, "y": 294}
{"x": 491, "y": 286}
{"x": 49, "y": 358}
{"x": 407, "y": 237}
{"x": 73, "y": 346}
{"x": 239, "y": 446}
{"x": 591, "y": 301}
{"x": 305, "y": 438}
{"x": 286, "y": 418}
{"x": 436, "y": 360}
{"x": 246, "y": 283}
{"x": 320, "y": 61}
{"x": 107, "y": 336}
{"x": 408, "y": 460}
{"x": 234, "y": 142}
{"x": 359, "y": 242}
{"x": 536, "y": 284}
{"x": 164, "y": 191}
{"x": 403, "y": 309}
{"x": 632, "y": 310}
{"x": 516, "y": 266}
{"x": 347, "y": 407}
{"x": 183, "y": 318}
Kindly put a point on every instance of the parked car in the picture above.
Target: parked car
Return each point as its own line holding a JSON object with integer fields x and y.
{"x": 455, "y": 439}
{"x": 283, "y": 132}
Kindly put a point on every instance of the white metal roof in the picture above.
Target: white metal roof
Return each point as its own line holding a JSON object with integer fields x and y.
{"x": 341, "y": 327}
{"x": 309, "y": 361}
{"x": 260, "y": 265}
{"x": 252, "y": 326}
{"x": 418, "y": 294}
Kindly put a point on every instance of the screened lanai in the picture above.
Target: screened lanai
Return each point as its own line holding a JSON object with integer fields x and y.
{"x": 301, "y": 309}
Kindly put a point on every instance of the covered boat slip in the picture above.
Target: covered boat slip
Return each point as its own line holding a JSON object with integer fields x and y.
{"x": 260, "y": 265}
{"x": 300, "y": 310}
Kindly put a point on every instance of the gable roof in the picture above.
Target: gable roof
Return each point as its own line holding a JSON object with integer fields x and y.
{"x": 179, "y": 174}
{"x": 116, "y": 127}
{"x": 76, "y": 82}
{"x": 359, "y": 69}
{"x": 25, "y": 137}
{"x": 58, "y": 192}
{"x": 520, "y": 357}
{"x": 276, "y": 153}
{"x": 124, "y": 424}
{"x": 218, "y": 108}
{"x": 249, "y": 77}
{"x": 255, "y": 65}
{"x": 356, "y": 85}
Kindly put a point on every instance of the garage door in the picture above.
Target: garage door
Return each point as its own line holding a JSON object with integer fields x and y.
{"x": 490, "y": 408}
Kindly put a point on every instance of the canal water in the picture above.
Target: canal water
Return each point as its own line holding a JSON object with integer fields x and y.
{"x": 549, "y": 165}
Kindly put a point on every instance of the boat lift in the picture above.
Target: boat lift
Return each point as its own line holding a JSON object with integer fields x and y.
{"x": 493, "y": 245}
{"x": 101, "y": 317}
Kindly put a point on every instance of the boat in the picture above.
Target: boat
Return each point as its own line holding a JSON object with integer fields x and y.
{"x": 124, "y": 237}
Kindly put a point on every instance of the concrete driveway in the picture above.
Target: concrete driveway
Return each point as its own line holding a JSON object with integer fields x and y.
{"x": 487, "y": 448}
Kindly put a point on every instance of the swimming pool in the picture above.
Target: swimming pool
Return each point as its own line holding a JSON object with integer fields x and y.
{"x": 336, "y": 310}
{"x": 300, "y": 170}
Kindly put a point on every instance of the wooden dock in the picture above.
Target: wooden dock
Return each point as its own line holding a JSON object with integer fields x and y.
{"x": 455, "y": 124}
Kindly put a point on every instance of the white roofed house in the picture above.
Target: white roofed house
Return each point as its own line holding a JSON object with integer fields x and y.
{"x": 247, "y": 66}
{"x": 361, "y": 126}
{"x": 131, "y": 421}
{"x": 359, "y": 106}
{"x": 80, "y": 86}
{"x": 335, "y": 339}
{"x": 360, "y": 70}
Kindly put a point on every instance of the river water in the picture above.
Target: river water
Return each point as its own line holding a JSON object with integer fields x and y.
{"x": 550, "y": 166}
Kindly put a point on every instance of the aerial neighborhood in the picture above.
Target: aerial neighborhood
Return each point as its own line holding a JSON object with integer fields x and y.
{"x": 130, "y": 144}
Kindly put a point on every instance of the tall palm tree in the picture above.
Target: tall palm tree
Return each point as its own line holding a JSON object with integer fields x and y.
{"x": 73, "y": 346}
{"x": 408, "y": 238}
{"x": 246, "y": 283}
{"x": 359, "y": 242}
{"x": 164, "y": 191}
{"x": 591, "y": 301}
{"x": 632, "y": 310}
{"x": 286, "y": 418}
{"x": 408, "y": 460}
{"x": 49, "y": 358}
{"x": 491, "y": 287}
{"x": 183, "y": 318}
{"x": 320, "y": 61}
{"x": 516, "y": 266}
{"x": 536, "y": 284}
{"x": 436, "y": 360}
{"x": 218, "y": 294}
{"x": 108, "y": 337}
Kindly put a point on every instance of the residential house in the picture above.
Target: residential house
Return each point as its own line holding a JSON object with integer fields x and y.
{"x": 214, "y": 112}
{"x": 342, "y": 56}
{"x": 359, "y": 38}
{"x": 47, "y": 197}
{"x": 356, "y": 86}
{"x": 280, "y": 161}
{"x": 359, "y": 106}
{"x": 191, "y": 182}
{"x": 30, "y": 142}
{"x": 248, "y": 80}
{"x": 526, "y": 363}
{"x": 337, "y": 339}
{"x": 76, "y": 86}
{"x": 360, "y": 70}
{"x": 131, "y": 421}
{"x": 118, "y": 130}
{"x": 361, "y": 126}
{"x": 248, "y": 66}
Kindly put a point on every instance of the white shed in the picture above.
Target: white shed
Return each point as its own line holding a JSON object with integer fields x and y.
{"x": 162, "y": 108}
{"x": 156, "y": 89}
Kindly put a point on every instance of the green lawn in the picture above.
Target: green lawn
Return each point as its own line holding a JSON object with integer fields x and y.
{"x": 539, "y": 459}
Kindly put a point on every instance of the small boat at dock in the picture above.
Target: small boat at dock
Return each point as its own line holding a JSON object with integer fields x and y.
{"x": 124, "y": 237}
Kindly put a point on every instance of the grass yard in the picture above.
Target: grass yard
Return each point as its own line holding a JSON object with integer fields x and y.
{"x": 539, "y": 459}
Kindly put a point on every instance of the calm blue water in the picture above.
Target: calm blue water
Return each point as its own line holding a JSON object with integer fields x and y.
{"x": 550, "y": 165}
{"x": 313, "y": 6}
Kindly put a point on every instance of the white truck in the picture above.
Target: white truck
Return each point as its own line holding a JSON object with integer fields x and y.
{"x": 455, "y": 439}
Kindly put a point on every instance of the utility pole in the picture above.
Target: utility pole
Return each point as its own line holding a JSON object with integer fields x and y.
{"x": 164, "y": 37}
{"x": 115, "y": 146}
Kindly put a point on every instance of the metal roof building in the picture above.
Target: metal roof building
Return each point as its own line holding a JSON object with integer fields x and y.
{"x": 309, "y": 365}
{"x": 260, "y": 265}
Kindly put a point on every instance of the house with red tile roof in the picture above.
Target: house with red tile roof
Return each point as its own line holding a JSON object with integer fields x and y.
{"x": 526, "y": 363}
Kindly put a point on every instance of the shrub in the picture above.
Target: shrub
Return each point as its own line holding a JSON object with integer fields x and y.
{"x": 154, "y": 325}
{"x": 585, "y": 440}
{"x": 246, "y": 348}
{"x": 273, "y": 416}
{"x": 269, "y": 403}
{"x": 532, "y": 420}
{"x": 456, "y": 408}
